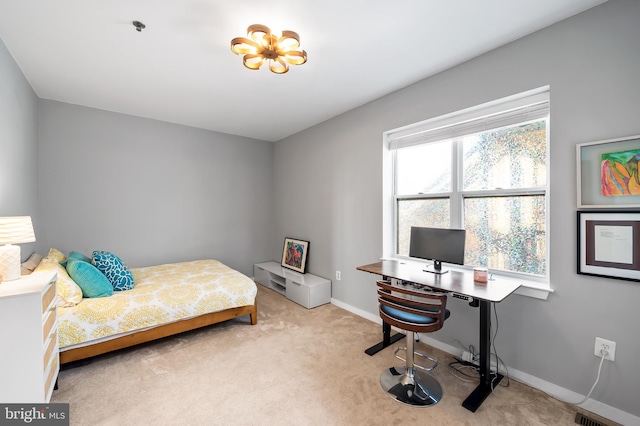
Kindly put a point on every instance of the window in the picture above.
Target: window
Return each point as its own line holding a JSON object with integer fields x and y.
{"x": 482, "y": 169}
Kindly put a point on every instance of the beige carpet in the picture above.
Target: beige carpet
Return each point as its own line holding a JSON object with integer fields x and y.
{"x": 295, "y": 367}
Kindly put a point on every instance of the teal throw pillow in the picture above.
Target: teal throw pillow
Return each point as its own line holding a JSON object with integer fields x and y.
{"x": 112, "y": 267}
{"x": 75, "y": 255}
{"x": 92, "y": 282}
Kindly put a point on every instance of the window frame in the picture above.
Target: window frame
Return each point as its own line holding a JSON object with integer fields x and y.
{"x": 457, "y": 195}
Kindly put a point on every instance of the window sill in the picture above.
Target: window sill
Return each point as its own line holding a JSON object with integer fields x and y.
{"x": 534, "y": 289}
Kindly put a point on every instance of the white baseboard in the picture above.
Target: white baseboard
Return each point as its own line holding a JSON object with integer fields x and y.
{"x": 357, "y": 311}
{"x": 552, "y": 389}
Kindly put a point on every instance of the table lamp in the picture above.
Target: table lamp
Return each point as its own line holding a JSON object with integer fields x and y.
{"x": 13, "y": 230}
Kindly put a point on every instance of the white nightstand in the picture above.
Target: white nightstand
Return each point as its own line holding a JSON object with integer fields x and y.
{"x": 29, "y": 334}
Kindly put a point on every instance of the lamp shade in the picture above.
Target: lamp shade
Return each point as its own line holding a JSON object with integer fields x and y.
{"x": 16, "y": 230}
{"x": 13, "y": 230}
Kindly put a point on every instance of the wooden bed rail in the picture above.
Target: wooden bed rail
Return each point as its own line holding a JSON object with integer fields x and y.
{"x": 159, "y": 332}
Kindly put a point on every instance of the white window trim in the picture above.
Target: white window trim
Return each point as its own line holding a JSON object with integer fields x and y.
{"x": 536, "y": 287}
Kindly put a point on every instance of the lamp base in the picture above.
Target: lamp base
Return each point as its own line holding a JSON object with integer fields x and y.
{"x": 9, "y": 262}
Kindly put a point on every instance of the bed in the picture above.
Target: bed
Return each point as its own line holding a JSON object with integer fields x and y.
{"x": 165, "y": 300}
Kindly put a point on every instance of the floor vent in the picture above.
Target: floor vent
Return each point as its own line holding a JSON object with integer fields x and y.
{"x": 583, "y": 420}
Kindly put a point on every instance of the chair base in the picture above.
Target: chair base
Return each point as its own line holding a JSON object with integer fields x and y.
{"x": 419, "y": 390}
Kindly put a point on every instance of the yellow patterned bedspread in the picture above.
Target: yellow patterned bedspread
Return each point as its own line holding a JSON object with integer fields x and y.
{"x": 162, "y": 294}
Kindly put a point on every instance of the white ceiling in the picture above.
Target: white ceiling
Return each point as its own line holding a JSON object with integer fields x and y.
{"x": 180, "y": 69}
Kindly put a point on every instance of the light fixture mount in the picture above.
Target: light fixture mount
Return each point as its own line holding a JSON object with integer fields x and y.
{"x": 261, "y": 45}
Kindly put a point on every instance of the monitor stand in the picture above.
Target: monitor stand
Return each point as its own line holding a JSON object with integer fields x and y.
{"x": 436, "y": 268}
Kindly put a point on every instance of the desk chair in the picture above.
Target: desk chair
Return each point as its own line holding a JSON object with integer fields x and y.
{"x": 416, "y": 310}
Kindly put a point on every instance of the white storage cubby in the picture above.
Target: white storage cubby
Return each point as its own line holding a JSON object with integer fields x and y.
{"x": 305, "y": 289}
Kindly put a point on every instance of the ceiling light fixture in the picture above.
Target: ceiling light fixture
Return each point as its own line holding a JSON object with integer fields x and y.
{"x": 261, "y": 45}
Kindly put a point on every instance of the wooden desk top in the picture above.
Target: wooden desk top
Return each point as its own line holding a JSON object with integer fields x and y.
{"x": 495, "y": 290}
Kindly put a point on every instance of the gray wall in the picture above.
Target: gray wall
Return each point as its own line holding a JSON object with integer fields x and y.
{"x": 18, "y": 145}
{"x": 328, "y": 189}
{"x": 151, "y": 192}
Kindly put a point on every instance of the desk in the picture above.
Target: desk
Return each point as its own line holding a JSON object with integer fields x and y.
{"x": 457, "y": 282}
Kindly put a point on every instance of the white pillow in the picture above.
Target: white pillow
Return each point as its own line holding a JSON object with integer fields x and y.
{"x": 30, "y": 264}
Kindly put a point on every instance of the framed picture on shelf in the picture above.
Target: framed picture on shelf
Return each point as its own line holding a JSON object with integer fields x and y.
{"x": 609, "y": 244}
{"x": 608, "y": 173}
{"x": 294, "y": 254}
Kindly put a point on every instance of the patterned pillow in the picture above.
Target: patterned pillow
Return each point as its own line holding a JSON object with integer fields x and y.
{"x": 112, "y": 267}
{"x": 69, "y": 294}
{"x": 56, "y": 255}
{"x": 92, "y": 282}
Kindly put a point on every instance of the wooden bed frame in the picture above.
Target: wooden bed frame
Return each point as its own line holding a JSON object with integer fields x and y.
{"x": 158, "y": 333}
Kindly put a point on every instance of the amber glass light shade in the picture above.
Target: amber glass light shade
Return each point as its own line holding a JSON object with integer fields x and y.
{"x": 262, "y": 46}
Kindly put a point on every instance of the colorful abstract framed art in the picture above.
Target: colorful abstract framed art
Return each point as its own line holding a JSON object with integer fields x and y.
{"x": 608, "y": 173}
{"x": 294, "y": 254}
{"x": 609, "y": 244}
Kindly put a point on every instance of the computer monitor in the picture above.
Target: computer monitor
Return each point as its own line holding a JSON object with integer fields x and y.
{"x": 439, "y": 245}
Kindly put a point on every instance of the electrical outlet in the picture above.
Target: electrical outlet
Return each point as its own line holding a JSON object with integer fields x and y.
{"x": 607, "y": 345}
{"x": 338, "y": 275}
{"x": 467, "y": 356}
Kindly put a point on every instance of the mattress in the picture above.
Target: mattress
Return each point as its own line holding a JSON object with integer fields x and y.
{"x": 162, "y": 294}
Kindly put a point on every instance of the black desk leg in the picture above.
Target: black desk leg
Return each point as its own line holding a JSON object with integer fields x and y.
{"x": 487, "y": 380}
{"x": 387, "y": 340}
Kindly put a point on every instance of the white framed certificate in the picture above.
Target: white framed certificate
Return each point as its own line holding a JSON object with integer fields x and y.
{"x": 609, "y": 244}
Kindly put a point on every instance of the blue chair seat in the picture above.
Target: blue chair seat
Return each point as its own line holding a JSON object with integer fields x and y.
{"x": 409, "y": 317}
